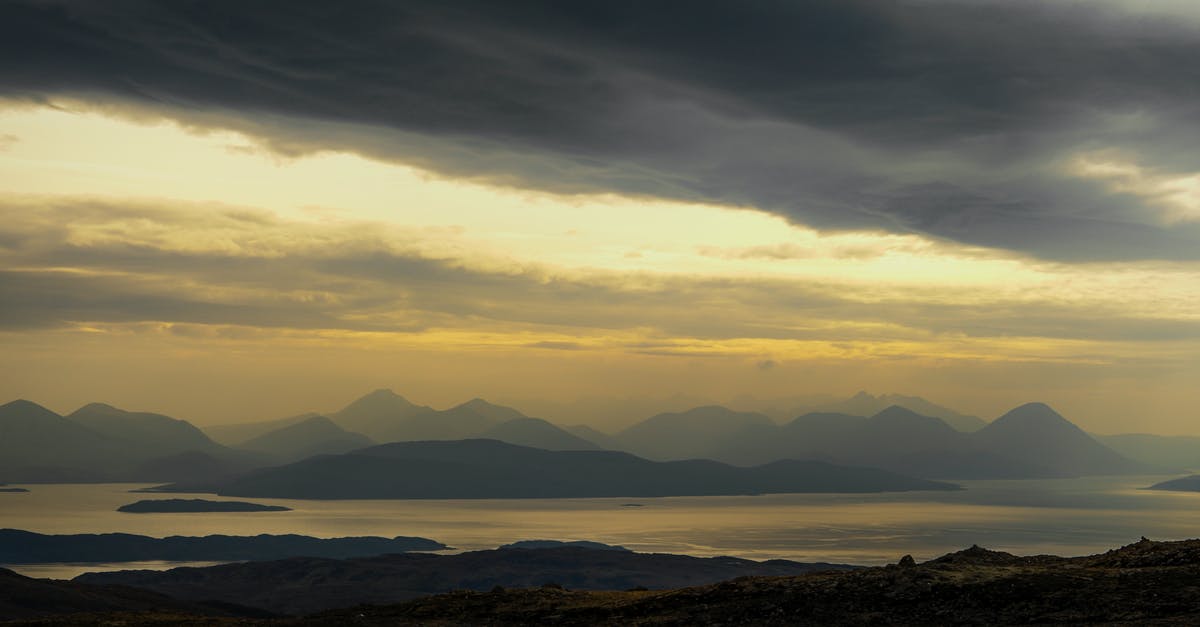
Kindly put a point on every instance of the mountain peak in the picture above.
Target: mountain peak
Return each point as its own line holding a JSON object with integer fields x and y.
{"x": 22, "y": 406}
{"x": 491, "y": 411}
{"x": 1033, "y": 414}
{"x": 381, "y": 394}
{"x": 862, "y": 396}
{"x": 96, "y": 407}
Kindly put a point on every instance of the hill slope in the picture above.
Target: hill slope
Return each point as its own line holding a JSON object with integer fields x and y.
{"x": 693, "y": 434}
{"x": 317, "y": 435}
{"x": 1036, "y": 434}
{"x": 537, "y": 433}
{"x": 147, "y": 431}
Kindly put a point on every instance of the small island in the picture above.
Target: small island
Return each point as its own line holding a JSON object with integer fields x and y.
{"x": 558, "y": 544}
{"x": 175, "y": 506}
{"x": 2, "y": 489}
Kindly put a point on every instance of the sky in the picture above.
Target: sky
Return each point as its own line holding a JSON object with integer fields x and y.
{"x": 231, "y": 211}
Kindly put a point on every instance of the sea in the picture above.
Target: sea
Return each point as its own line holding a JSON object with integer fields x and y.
{"x": 1028, "y": 517}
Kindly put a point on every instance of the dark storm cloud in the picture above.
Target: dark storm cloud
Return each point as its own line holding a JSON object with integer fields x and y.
{"x": 949, "y": 118}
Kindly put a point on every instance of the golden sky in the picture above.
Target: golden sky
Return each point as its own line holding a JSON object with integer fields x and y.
{"x": 202, "y": 272}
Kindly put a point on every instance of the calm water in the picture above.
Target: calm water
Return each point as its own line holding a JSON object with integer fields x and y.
{"x": 1063, "y": 517}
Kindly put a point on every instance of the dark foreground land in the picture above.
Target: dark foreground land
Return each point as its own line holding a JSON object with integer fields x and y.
{"x": 1146, "y": 583}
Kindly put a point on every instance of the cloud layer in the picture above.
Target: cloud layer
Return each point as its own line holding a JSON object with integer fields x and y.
{"x": 962, "y": 120}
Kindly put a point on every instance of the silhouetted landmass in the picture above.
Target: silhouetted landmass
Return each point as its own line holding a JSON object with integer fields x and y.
{"x": 692, "y": 434}
{"x": 593, "y": 435}
{"x": 27, "y": 598}
{"x": 378, "y": 415}
{"x": 303, "y": 585}
{"x": 13, "y": 490}
{"x": 1191, "y": 483}
{"x": 316, "y": 435}
{"x": 1031, "y": 441}
{"x": 26, "y": 547}
{"x": 1036, "y": 434}
{"x": 1145, "y": 583}
{"x": 864, "y": 404}
{"x": 469, "y": 469}
{"x": 232, "y": 434}
{"x": 537, "y": 433}
{"x": 160, "y": 506}
{"x": 555, "y": 544}
{"x": 163, "y": 434}
{"x": 100, "y": 443}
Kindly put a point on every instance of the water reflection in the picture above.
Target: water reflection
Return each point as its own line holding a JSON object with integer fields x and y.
{"x": 1064, "y": 517}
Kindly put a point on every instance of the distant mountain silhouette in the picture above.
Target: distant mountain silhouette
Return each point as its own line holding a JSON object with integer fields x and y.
{"x": 461, "y": 421}
{"x": 864, "y": 404}
{"x": 493, "y": 469}
{"x": 537, "y": 433}
{"x": 34, "y": 441}
{"x": 163, "y": 434}
{"x": 1036, "y": 434}
{"x": 102, "y": 443}
{"x": 693, "y": 434}
{"x": 317, "y": 435}
{"x": 377, "y": 415}
{"x": 237, "y": 433}
{"x": 194, "y": 466}
{"x": 906, "y": 442}
{"x": 593, "y": 435}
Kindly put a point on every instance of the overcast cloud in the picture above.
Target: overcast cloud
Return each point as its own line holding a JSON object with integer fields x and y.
{"x": 964, "y": 120}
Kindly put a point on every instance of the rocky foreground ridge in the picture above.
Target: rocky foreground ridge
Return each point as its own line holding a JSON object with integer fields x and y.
{"x": 1145, "y": 583}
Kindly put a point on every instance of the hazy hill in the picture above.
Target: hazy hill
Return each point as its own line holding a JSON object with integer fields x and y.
{"x": 377, "y": 415}
{"x": 236, "y": 433}
{"x": 461, "y": 421}
{"x": 595, "y": 436}
{"x": 193, "y": 466}
{"x": 493, "y": 469}
{"x": 147, "y": 431}
{"x": 317, "y": 435}
{"x": 1036, "y": 434}
{"x": 1174, "y": 451}
{"x": 693, "y": 434}
{"x": 37, "y": 443}
{"x": 102, "y": 443}
{"x": 537, "y": 433}
{"x": 1029, "y": 442}
{"x": 864, "y": 404}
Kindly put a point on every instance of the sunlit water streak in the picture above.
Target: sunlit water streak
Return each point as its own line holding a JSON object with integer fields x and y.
{"x": 1063, "y": 517}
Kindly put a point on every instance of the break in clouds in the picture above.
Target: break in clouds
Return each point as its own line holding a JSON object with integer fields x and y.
{"x": 1061, "y": 130}
{"x": 79, "y": 261}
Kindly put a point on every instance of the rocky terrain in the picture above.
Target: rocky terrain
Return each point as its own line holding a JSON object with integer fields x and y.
{"x": 1145, "y": 583}
{"x": 304, "y": 585}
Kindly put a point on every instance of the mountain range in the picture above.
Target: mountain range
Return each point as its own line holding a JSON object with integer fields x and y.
{"x": 99, "y": 442}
